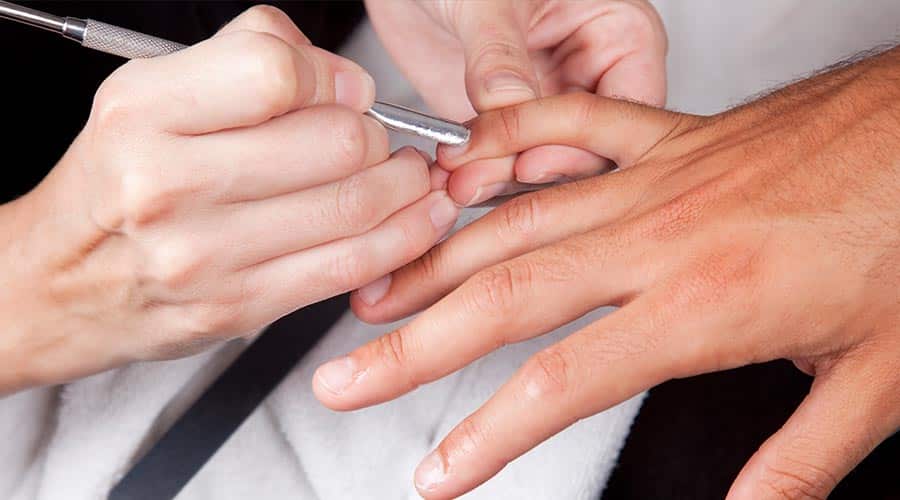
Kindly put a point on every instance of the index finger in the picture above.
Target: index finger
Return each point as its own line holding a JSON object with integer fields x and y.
{"x": 619, "y": 130}
{"x": 236, "y": 79}
{"x": 602, "y": 365}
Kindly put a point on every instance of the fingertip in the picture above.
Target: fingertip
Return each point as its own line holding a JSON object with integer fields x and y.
{"x": 504, "y": 88}
{"x": 267, "y": 19}
{"x": 547, "y": 164}
{"x": 461, "y": 189}
{"x": 354, "y": 89}
{"x": 446, "y": 155}
{"x": 331, "y": 380}
{"x": 372, "y": 293}
{"x": 481, "y": 180}
{"x": 439, "y": 178}
{"x": 389, "y": 308}
{"x": 364, "y": 312}
{"x": 429, "y": 475}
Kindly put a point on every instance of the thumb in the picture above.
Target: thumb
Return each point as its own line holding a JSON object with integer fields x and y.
{"x": 498, "y": 66}
{"x": 847, "y": 413}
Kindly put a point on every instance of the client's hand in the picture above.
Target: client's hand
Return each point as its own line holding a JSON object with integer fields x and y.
{"x": 769, "y": 231}
{"x": 465, "y": 56}
{"x": 211, "y": 192}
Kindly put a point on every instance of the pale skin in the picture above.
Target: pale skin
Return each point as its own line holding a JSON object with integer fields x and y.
{"x": 211, "y": 192}
{"x": 769, "y": 231}
{"x": 475, "y": 56}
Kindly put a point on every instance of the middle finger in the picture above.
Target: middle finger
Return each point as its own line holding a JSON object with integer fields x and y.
{"x": 510, "y": 302}
{"x": 523, "y": 224}
{"x": 301, "y": 149}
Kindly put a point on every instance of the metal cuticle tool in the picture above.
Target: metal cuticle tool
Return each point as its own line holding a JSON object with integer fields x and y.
{"x": 132, "y": 45}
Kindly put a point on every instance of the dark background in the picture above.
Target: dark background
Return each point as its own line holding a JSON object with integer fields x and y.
{"x": 691, "y": 437}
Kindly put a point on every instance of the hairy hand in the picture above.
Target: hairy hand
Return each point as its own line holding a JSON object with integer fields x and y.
{"x": 769, "y": 231}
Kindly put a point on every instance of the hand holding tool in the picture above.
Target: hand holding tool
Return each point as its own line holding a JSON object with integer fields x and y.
{"x": 132, "y": 45}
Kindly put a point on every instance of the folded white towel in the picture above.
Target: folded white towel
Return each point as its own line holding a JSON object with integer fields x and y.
{"x": 293, "y": 447}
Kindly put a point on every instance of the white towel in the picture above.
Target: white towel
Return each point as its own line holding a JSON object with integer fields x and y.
{"x": 292, "y": 447}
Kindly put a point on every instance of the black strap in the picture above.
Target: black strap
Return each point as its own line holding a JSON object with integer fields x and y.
{"x": 196, "y": 436}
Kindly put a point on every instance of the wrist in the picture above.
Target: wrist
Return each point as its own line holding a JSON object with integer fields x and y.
{"x": 45, "y": 238}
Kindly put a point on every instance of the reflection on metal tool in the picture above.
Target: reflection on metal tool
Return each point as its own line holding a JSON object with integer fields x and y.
{"x": 406, "y": 120}
{"x": 132, "y": 45}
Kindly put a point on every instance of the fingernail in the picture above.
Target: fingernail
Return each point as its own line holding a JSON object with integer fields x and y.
{"x": 508, "y": 82}
{"x": 443, "y": 213}
{"x": 337, "y": 375}
{"x": 430, "y": 473}
{"x": 427, "y": 157}
{"x": 354, "y": 89}
{"x": 539, "y": 178}
{"x": 450, "y": 152}
{"x": 375, "y": 291}
{"x": 439, "y": 178}
{"x": 484, "y": 193}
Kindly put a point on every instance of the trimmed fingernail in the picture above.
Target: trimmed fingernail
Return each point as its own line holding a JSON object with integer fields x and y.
{"x": 354, "y": 89}
{"x": 337, "y": 375}
{"x": 443, "y": 213}
{"x": 450, "y": 152}
{"x": 509, "y": 82}
{"x": 430, "y": 473}
{"x": 375, "y": 291}
{"x": 425, "y": 156}
{"x": 539, "y": 178}
{"x": 484, "y": 193}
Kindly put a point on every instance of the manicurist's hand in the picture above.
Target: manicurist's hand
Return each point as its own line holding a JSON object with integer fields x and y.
{"x": 466, "y": 56}
{"x": 769, "y": 231}
{"x": 211, "y": 192}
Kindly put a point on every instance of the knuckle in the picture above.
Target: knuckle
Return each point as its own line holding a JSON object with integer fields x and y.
{"x": 349, "y": 134}
{"x": 203, "y": 321}
{"x": 677, "y": 216}
{"x": 263, "y": 18}
{"x": 495, "y": 289}
{"x": 510, "y": 123}
{"x": 174, "y": 263}
{"x": 584, "y": 112}
{"x": 466, "y": 438}
{"x": 547, "y": 373}
{"x": 412, "y": 173}
{"x": 410, "y": 239}
{"x": 272, "y": 70}
{"x": 348, "y": 270}
{"x": 353, "y": 204}
{"x": 392, "y": 350}
{"x": 377, "y": 141}
{"x": 519, "y": 218}
{"x": 114, "y": 103}
{"x": 641, "y": 26}
{"x": 496, "y": 49}
{"x": 144, "y": 196}
{"x": 430, "y": 265}
{"x": 793, "y": 480}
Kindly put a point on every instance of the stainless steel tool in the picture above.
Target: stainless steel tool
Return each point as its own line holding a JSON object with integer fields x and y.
{"x": 131, "y": 44}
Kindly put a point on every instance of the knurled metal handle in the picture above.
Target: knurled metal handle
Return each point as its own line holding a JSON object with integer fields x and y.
{"x": 125, "y": 43}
